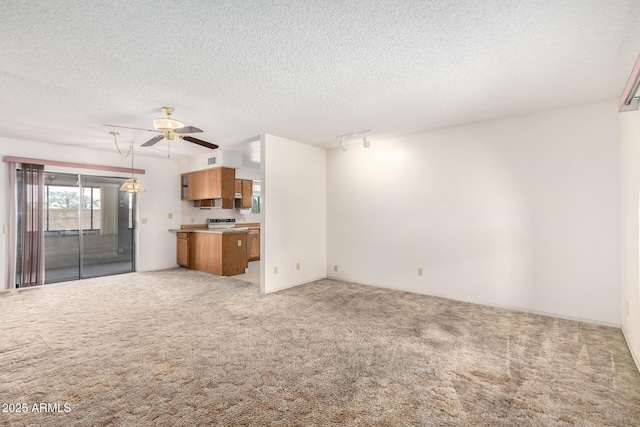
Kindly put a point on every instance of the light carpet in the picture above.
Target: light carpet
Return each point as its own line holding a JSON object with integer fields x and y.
{"x": 184, "y": 348}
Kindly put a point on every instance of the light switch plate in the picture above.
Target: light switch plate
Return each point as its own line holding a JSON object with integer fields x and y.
{"x": 239, "y": 242}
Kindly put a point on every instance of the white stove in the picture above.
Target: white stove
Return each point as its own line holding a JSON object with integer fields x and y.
{"x": 220, "y": 223}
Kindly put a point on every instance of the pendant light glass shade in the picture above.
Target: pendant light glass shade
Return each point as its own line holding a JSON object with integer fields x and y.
{"x": 133, "y": 185}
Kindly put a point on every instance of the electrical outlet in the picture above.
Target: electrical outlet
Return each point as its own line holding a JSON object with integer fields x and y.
{"x": 143, "y": 220}
{"x": 239, "y": 243}
{"x": 335, "y": 268}
{"x": 297, "y": 266}
{"x": 170, "y": 215}
{"x": 419, "y": 271}
{"x": 275, "y": 270}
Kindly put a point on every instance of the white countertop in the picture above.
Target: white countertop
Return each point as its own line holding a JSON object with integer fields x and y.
{"x": 212, "y": 231}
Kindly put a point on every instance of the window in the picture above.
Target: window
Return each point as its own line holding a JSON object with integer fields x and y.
{"x": 62, "y": 204}
{"x": 255, "y": 207}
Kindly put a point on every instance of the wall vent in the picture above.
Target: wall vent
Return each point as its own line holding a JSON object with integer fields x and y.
{"x": 212, "y": 160}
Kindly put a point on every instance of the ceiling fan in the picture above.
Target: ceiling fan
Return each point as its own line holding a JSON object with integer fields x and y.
{"x": 170, "y": 128}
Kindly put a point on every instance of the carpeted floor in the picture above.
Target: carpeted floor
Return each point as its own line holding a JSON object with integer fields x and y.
{"x": 184, "y": 348}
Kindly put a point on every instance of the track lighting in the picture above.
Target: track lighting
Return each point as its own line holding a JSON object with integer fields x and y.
{"x": 365, "y": 140}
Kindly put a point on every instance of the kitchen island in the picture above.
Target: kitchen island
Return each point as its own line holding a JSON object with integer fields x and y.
{"x": 220, "y": 252}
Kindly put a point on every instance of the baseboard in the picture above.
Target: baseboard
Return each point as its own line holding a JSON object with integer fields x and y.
{"x": 633, "y": 354}
{"x": 293, "y": 285}
{"x": 487, "y": 304}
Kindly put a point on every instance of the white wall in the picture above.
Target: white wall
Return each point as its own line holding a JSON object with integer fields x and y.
{"x": 630, "y": 173}
{"x": 294, "y": 213}
{"x": 156, "y": 246}
{"x": 522, "y": 212}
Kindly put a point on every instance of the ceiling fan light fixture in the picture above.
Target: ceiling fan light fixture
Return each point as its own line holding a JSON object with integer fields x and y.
{"x": 167, "y": 123}
{"x": 169, "y": 129}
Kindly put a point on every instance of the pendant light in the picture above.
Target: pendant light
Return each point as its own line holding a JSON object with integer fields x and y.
{"x": 133, "y": 184}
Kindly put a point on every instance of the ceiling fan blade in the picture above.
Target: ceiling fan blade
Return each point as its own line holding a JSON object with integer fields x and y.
{"x": 128, "y": 127}
{"x": 152, "y": 141}
{"x": 188, "y": 129}
{"x": 199, "y": 142}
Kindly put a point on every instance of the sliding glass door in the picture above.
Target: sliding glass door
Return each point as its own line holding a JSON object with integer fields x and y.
{"x": 107, "y": 227}
{"x": 88, "y": 227}
{"x": 61, "y": 227}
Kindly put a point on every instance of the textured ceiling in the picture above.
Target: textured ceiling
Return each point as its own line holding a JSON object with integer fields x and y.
{"x": 304, "y": 70}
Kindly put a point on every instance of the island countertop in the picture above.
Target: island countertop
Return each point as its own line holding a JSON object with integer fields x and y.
{"x": 212, "y": 231}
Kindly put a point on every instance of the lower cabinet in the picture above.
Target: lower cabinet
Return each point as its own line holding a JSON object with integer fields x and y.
{"x": 183, "y": 252}
{"x": 223, "y": 254}
{"x": 254, "y": 244}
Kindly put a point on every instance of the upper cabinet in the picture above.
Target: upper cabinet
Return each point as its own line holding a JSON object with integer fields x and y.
{"x": 244, "y": 188}
{"x": 209, "y": 184}
{"x": 184, "y": 186}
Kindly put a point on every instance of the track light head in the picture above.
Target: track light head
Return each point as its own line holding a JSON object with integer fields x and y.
{"x": 365, "y": 140}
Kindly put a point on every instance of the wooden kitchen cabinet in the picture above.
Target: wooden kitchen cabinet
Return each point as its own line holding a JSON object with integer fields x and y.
{"x": 184, "y": 186}
{"x": 209, "y": 184}
{"x": 247, "y": 194}
{"x": 244, "y": 187}
{"x": 253, "y": 243}
{"x": 214, "y": 203}
{"x": 184, "y": 252}
{"x": 223, "y": 254}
